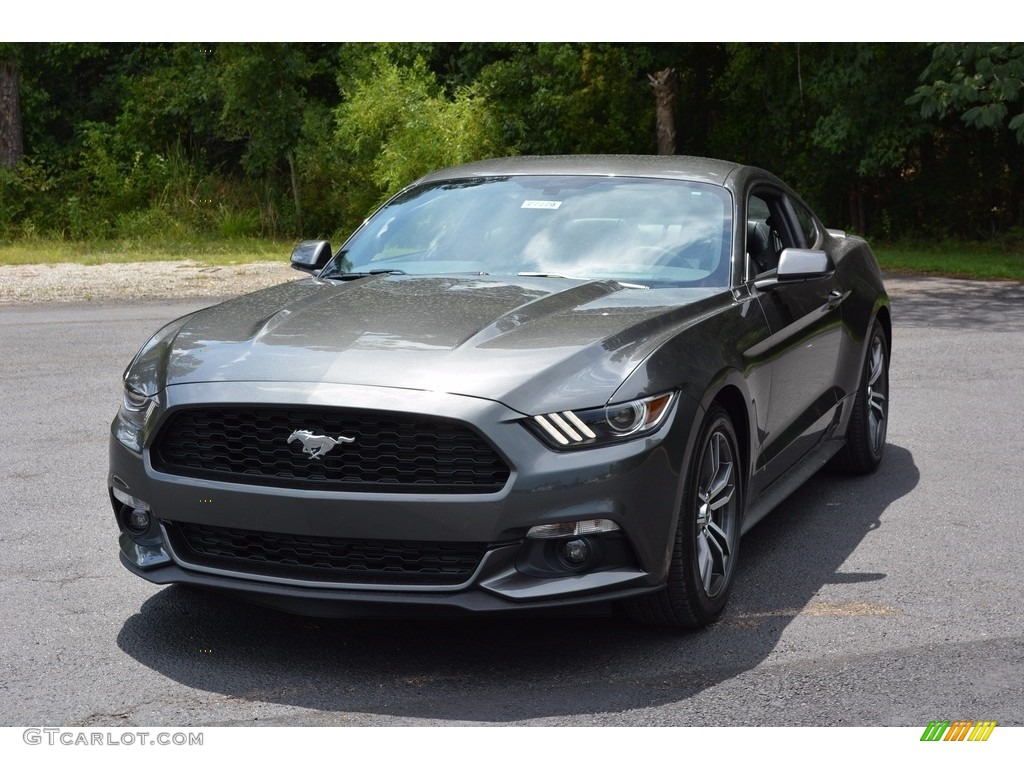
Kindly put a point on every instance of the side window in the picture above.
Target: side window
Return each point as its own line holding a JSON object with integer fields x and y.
{"x": 765, "y": 237}
{"x": 806, "y": 222}
{"x": 757, "y": 209}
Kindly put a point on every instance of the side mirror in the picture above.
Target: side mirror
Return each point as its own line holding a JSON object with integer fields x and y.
{"x": 797, "y": 265}
{"x": 311, "y": 255}
{"x": 800, "y": 264}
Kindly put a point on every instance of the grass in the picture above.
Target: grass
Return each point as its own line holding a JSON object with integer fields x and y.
{"x": 215, "y": 252}
{"x": 964, "y": 260}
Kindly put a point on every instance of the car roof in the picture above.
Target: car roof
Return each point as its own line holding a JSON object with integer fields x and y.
{"x": 680, "y": 167}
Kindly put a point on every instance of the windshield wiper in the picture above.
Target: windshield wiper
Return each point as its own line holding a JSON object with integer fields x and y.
{"x": 357, "y": 275}
{"x": 548, "y": 274}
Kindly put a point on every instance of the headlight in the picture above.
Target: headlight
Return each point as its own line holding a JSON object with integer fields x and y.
{"x": 131, "y": 418}
{"x": 599, "y": 426}
{"x": 145, "y": 374}
{"x": 143, "y": 379}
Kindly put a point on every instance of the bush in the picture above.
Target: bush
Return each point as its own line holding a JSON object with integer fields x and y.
{"x": 237, "y": 223}
{"x": 150, "y": 223}
{"x": 398, "y": 125}
{"x": 26, "y": 199}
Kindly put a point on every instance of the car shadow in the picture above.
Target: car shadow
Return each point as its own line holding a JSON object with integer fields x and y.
{"x": 507, "y": 670}
{"x": 939, "y": 302}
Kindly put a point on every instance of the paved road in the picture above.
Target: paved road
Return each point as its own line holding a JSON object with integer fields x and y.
{"x": 889, "y": 600}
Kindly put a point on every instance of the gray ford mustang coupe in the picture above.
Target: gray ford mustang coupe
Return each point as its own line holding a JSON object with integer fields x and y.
{"x": 522, "y": 384}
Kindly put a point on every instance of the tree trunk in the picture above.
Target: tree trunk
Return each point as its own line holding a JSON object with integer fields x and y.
{"x": 295, "y": 193}
{"x": 664, "y": 84}
{"x": 858, "y": 222}
{"x": 11, "y": 146}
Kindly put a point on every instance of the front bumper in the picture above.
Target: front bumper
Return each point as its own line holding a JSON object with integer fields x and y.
{"x": 635, "y": 484}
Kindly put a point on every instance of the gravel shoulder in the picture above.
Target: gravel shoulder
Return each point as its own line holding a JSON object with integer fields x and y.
{"x": 43, "y": 283}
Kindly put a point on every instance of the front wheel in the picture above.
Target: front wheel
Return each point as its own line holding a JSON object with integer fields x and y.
{"x": 707, "y": 535}
{"x": 865, "y": 436}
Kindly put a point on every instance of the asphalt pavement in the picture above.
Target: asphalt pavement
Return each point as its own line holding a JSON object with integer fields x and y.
{"x": 893, "y": 599}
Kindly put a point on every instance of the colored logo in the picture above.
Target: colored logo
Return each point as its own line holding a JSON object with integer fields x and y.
{"x": 958, "y": 730}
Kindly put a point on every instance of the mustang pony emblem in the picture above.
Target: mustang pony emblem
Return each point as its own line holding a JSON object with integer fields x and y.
{"x": 316, "y": 445}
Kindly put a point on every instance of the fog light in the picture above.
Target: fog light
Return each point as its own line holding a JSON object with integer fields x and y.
{"x": 137, "y": 521}
{"x": 575, "y": 551}
{"x": 134, "y": 512}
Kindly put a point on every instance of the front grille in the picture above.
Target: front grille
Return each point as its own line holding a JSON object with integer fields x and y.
{"x": 318, "y": 558}
{"x": 396, "y": 453}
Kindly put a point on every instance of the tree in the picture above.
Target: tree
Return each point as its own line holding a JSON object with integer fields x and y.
{"x": 569, "y": 98}
{"x": 11, "y": 139}
{"x": 262, "y": 86}
{"x": 129, "y": 138}
{"x": 864, "y": 138}
{"x": 664, "y": 85}
{"x": 982, "y": 82}
{"x": 398, "y": 124}
{"x": 829, "y": 117}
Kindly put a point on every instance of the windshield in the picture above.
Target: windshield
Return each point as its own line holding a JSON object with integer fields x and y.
{"x": 647, "y": 231}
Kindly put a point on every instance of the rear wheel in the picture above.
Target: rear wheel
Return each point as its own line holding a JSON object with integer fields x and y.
{"x": 707, "y": 535}
{"x": 865, "y": 436}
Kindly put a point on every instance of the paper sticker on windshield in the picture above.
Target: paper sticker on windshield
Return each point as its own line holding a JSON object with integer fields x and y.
{"x": 550, "y": 204}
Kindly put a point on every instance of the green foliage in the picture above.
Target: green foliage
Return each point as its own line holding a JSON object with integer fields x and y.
{"x": 833, "y": 120}
{"x": 860, "y": 120}
{"x": 261, "y": 88}
{"x": 554, "y": 98}
{"x": 972, "y": 95}
{"x": 398, "y": 125}
{"x": 330, "y": 191}
{"x": 62, "y": 86}
{"x": 758, "y": 91}
{"x": 116, "y": 175}
{"x": 237, "y": 223}
{"x": 141, "y": 224}
{"x": 174, "y": 101}
{"x": 135, "y": 140}
{"x": 187, "y": 192}
{"x": 982, "y": 82}
{"x": 26, "y": 194}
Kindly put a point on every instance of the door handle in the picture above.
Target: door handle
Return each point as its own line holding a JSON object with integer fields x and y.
{"x": 835, "y": 298}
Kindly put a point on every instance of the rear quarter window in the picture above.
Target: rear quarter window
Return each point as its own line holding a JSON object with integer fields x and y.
{"x": 807, "y": 225}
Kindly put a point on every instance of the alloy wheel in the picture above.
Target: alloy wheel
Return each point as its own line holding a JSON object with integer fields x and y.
{"x": 716, "y": 513}
{"x": 878, "y": 385}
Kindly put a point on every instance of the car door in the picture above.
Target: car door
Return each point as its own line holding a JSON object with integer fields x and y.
{"x": 805, "y": 327}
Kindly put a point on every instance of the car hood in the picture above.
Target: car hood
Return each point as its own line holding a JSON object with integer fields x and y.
{"x": 534, "y": 344}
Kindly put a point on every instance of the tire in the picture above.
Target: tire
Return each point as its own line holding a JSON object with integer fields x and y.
{"x": 865, "y": 435}
{"x": 707, "y": 535}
